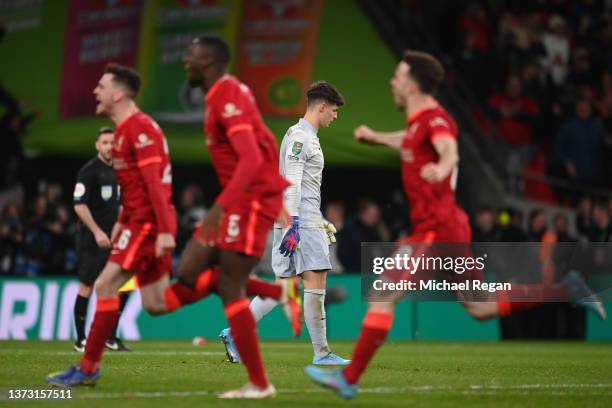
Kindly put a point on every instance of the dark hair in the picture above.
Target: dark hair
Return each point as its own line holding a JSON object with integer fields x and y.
{"x": 105, "y": 129}
{"x": 218, "y": 45}
{"x": 126, "y": 76}
{"x": 425, "y": 69}
{"x": 322, "y": 90}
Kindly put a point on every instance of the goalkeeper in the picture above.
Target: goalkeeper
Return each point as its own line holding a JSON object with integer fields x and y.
{"x": 303, "y": 248}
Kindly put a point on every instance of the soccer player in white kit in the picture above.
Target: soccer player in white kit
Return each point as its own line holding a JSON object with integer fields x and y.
{"x": 303, "y": 249}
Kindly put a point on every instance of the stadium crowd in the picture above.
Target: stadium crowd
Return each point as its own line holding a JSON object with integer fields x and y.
{"x": 542, "y": 73}
{"x": 38, "y": 239}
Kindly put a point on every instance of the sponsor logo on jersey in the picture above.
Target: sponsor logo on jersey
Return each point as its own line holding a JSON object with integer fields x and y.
{"x": 106, "y": 192}
{"x": 119, "y": 143}
{"x": 439, "y": 121}
{"x": 296, "y": 149}
{"x": 79, "y": 190}
{"x": 412, "y": 130}
{"x": 230, "y": 110}
{"x": 407, "y": 155}
{"x": 143, "y": 141}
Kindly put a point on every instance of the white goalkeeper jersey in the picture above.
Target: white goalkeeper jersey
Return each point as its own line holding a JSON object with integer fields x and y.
{"x": 301, "y": 162}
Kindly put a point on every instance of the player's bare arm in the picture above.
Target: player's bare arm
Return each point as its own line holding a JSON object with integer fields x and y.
{"x": 365, "y": 134}
{"x": 446, "y": 147}
{"x": 85, "y": 215}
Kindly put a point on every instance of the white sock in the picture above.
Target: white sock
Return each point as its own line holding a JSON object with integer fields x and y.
{"x": 261, "y": 306}
{"x": 314, "y": 316}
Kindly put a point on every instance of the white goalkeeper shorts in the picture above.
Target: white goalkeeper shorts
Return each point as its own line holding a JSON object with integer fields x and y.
{"x": 311, "y": 255}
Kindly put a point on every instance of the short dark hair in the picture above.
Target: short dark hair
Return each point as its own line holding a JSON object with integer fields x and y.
{"x": 126, "y": 76}
{"x": 105, "y": 130}
{"x": 218, "y": 45}
{"x": 322, "y": 90}
{"x": 425, "y": 69}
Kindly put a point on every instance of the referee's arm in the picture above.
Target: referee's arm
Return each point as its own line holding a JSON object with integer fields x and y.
{"x": 80, "y": 199}
{"x": 85, "y": 215}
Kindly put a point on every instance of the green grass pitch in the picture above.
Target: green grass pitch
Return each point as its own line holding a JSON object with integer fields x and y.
{"x": 414, "y": 374}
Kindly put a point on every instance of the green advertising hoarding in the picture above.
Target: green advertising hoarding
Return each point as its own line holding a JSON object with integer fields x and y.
{"x": 33, "y": 309}
{"x": 33, "y": 54}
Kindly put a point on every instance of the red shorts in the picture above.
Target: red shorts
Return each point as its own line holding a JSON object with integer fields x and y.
{"x": 450, "y": 239}
{"x": 245, "y": 226}
{"x": 134, "y": 251}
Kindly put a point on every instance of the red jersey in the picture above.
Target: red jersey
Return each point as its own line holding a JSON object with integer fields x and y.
{"x": 230, "y": 109}
{"x": 430, "y": 204}
{"x": 138, "y": 143}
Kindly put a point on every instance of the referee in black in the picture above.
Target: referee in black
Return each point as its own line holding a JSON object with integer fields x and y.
{"x": 96, "y": 202}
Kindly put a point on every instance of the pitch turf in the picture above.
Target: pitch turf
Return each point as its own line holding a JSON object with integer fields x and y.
{"x": 440, "y": 374}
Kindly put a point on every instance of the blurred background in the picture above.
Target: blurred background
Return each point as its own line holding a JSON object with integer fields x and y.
{"x": 529, "y": 83}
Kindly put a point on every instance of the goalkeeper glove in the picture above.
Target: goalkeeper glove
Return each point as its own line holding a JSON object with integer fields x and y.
{"x": 292, "y": 238}
{"x": 329, "y": 230}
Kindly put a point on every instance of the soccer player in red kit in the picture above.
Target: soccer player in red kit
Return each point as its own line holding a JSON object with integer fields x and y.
{"x": 428, "y": 148}
{"x": 233, "y": 234}
{"x": 144, "y": 235}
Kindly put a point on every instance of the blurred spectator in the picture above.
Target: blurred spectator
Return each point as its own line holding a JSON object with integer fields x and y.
{"x": 561, "y": 225}
{"x": 484, "y": 228}
{"x": 11, "y": 238}
{"x": 514, "y": 112}
{"x": 557, "y": 47}
{"x": 513, "y": 229}
{"x": 577, "y": 156}
{"x": 334, "y": 213}
{"x": 191, "y": 211}
{"x": 601, "y": 229}
{"x": 583, "y": 216}
{"x": 537, "y": 225}
{"x": 13, "y": 124}
{"x": 366, "y": 226}
{"x": 396, "y": 214}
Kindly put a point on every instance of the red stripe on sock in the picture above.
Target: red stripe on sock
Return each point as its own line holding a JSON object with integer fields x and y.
{"x": 378, "y": 320}
{"x": 171, "y": 300}
{"x": 258, "y": 287}
{"x": 105, "y": 320}
{"x": 107, "y": 305}
{"x": 244, "y": 332}
{"x": 376, "y": 325}
{"x": 238, "y": 305}
{"x": 208, "y": 280}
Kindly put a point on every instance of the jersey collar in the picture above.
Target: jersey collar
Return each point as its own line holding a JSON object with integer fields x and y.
{"x": 216, "y": 86}
{"x": 419, "y": 112}
{"x": 304, "y": 123}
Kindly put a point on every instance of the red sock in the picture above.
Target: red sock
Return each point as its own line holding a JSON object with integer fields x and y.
{"x": 178, "y": 295}
{"x": 376, "y": 325}
{"x": 102, "y": 327}
{"x": 244, "y": 332}
{"x": 258, "y": 287}
{"x": 526, "y": 297}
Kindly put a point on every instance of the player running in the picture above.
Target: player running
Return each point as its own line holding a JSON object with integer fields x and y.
{"x": 301, "y": 162}
{"x": 233, "y": 234}
{"x": 96, "y": 202}
{"x": 429, "y": 153}
{"x": 144, "y": 236}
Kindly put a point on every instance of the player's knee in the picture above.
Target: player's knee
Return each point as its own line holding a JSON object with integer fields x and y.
{"x": 154, "y": 308}
{"x": 229, "y": 289}
{"x": 186, "y": 277}
{"x": 102, "y": 287}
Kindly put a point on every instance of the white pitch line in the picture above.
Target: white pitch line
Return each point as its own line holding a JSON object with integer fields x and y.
{"x": 471, "y": 390}
{"x": 146, "y": 353}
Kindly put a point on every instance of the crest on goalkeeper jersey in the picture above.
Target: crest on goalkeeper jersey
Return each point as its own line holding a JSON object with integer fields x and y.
{"x": 297, "y": 148}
